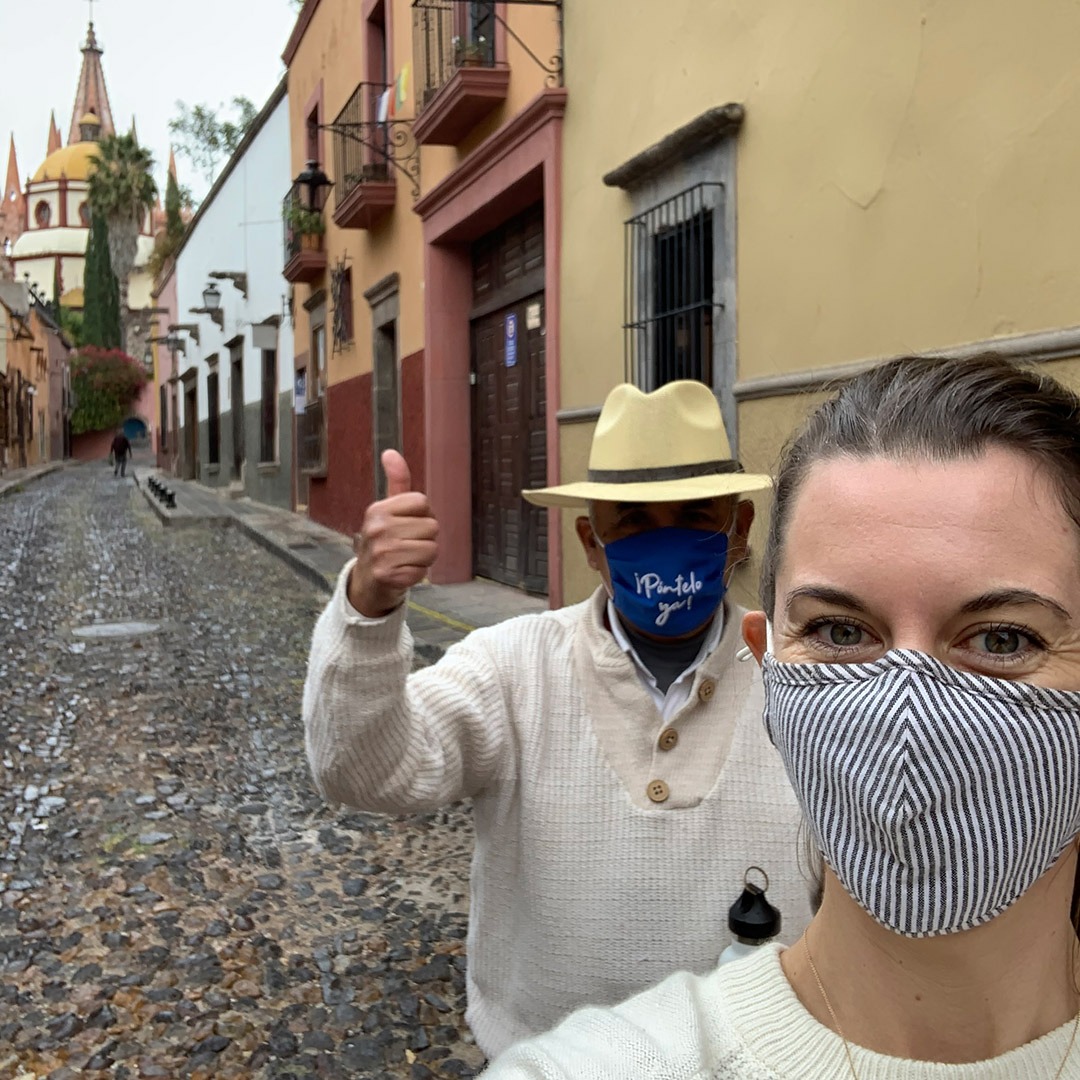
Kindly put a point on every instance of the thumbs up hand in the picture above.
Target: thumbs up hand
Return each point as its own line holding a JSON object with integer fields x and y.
{"x": 396, "y": 545}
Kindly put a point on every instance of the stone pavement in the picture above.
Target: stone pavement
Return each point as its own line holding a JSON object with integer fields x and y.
{"x": 176, "y": 900}
{"x": 438, "y": 615}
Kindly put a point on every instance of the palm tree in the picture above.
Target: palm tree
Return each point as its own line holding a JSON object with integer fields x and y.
{"x": 122, "y": 191}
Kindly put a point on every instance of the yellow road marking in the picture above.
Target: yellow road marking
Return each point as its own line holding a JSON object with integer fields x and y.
{"x": 440, "y": 617}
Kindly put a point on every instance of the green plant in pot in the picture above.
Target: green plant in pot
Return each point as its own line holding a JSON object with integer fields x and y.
{"x": 308, "y": 224}
{"x": 470, "y": 53}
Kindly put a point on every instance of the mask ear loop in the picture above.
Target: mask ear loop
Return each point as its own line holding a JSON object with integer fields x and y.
{"x": 745, "y": 654}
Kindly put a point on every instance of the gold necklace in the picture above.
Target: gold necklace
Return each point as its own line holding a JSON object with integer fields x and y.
{"x": 847, "y": 1046}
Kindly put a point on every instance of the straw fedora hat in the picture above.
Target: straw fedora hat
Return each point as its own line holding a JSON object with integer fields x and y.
{"x": 667, "y": 446}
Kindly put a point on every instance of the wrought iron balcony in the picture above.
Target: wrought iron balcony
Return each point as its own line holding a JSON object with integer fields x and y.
{"x": 305, "y": 255}
{"x": 370, "y": 146}
{"x": 459, "y": 79}
{"x": 311, "y": 438}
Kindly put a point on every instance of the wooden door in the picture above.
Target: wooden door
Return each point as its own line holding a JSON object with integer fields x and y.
{"x": 191, "y": 433}
{"x": 509, "y": 431}
{"x": 237, "y": 405}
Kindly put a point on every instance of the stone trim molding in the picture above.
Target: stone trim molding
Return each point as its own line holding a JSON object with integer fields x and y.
{"x": 704, "y": 130}
{"x": 383, "y": 290}
{"x": 547, "y": 106}
{"x": 1038, "y": 347}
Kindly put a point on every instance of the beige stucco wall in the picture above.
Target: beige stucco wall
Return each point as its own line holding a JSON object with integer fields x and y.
{"x": 905, "y": 180}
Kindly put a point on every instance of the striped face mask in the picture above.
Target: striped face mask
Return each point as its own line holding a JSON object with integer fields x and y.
{"x": 937, "y": 797}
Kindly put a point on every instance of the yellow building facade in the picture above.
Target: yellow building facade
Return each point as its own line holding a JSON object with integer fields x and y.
{"x": 31, "y": 350}
{"x": 762, "y": 195}
{"x": 438, "y": 123}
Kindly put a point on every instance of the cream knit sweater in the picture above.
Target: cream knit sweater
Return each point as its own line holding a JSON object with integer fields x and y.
{"x": 741, "y": 1022}
{"x": 583, "y": 890}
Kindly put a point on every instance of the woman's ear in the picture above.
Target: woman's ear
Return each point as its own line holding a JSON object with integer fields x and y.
{"x": 754, "y": 633}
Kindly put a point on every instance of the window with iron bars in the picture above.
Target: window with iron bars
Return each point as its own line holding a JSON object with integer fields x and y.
{"x": 673, "y": 307}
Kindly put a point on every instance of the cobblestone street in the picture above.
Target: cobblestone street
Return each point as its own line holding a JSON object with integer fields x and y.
{"x": 175, "y": 899}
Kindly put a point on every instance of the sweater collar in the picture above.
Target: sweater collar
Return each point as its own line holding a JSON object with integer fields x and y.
{"x": 775, "y": 1026}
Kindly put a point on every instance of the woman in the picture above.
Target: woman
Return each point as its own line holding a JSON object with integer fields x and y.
{"x": 921, "y": 652}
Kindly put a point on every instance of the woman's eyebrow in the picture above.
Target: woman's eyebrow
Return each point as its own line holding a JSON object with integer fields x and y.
{"x": 826, "y": 594}
{"x": 1012, "y": 597}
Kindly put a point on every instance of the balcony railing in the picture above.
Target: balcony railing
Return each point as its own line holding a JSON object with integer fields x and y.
{"x": 448, "y": 36}
{"x": 362, "y": 139}
{"x": 305, "y": 259}
{"x": 311, "y": 437}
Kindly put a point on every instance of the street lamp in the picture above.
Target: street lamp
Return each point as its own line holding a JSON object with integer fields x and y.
{"x": 211, "y": 298}
{"x": 174, "y": 343}
{"x": 315, "y": 184}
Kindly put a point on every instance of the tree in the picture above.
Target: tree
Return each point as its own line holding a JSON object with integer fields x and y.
{"x": 105, "y": 384}
{"x": 174, "y": 222}
{"x": 101, "y": 290}
{"x": 122, "y": 192}
{"x": 204, "y": 138}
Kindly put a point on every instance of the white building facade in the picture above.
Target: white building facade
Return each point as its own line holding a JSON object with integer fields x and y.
{"x": 235, "y": 392}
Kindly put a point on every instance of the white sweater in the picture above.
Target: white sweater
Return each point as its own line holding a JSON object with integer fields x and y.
{"x": 741, "y": 1022}
{"x": 584, "y": 891}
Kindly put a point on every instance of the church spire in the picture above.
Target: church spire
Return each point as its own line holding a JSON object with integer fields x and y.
{"x": 56, "y": 141}
{"x": 12, "y": 203}
{"x": 12, "y": 185}
{"x": 91, "y": 95}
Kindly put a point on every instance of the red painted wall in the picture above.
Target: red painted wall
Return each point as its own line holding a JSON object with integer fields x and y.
{"x": 92, "y": 446}
{"x": 412, "y": 417}
{"x": 339, "y": 500}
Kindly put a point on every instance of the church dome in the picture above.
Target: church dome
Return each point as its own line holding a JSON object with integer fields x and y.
{"x": 71, "y": 161}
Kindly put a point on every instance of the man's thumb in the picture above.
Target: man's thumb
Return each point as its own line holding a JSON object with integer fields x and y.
{"x": 398, "y": 477}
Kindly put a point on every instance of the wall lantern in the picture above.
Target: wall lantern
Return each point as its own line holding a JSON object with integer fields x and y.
{"x": 314, "y": 186}
{"x": 211, "y": 297}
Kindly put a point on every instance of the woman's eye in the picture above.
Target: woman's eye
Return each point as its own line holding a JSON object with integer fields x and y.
{"x": 839, "y": 635}
{"x": 1003, "y": 641}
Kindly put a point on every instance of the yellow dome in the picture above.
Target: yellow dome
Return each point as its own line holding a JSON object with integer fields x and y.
{"x": 90, "y": 118}
{"x": 71, "y": 161}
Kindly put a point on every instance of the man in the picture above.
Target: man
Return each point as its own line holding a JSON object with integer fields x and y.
{"x": 621, "y": 777}
{"x": 120, "y": 451}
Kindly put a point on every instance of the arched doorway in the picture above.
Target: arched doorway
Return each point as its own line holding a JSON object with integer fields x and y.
{"x": 138, "y": 434}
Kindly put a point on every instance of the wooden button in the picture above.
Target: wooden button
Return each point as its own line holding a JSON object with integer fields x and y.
{"x": 706, "y": 689}
{"x": 669, "y": 738}
{"x": 657, "y": 791}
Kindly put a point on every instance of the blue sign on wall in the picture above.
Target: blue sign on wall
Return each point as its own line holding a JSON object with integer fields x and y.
{"x": 511, "y": 340}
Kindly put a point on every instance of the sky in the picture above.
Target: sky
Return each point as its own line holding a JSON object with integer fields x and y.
{"x": 155, "y": 53}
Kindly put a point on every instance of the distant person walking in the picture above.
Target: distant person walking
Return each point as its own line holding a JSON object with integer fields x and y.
{"x": 121, "y": 451}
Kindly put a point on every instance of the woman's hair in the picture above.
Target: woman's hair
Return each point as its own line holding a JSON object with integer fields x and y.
{"x": 932, "y": 409}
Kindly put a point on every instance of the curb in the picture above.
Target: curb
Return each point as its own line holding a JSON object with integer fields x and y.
{"x": 286, "y": 554}
{"x": 12, "y": 486}
{"x": 426, "y": 651}
{"x": 182, "y": 521}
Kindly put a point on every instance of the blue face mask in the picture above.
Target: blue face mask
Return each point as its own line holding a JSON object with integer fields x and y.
{"x": 668, "y": 582}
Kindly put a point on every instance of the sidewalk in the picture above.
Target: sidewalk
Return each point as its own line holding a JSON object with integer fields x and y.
{"x": 438, "y": 615}
{"x": 14, "y": 479}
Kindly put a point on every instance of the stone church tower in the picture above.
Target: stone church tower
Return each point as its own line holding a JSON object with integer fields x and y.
{"x": 54, "y": 212}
